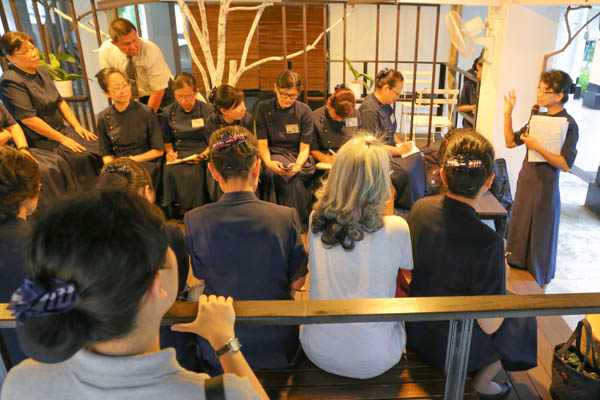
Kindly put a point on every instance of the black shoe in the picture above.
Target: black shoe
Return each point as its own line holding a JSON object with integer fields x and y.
{"x": 505, "y": 388}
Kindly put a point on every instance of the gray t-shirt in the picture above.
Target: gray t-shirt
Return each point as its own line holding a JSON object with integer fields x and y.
{"x": 92, "y": 376}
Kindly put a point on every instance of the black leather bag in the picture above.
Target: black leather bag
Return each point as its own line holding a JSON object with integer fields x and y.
{"x": 576, "y": 376}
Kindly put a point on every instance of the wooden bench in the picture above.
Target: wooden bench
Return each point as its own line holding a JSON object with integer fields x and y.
{"x": 460, "y": 311}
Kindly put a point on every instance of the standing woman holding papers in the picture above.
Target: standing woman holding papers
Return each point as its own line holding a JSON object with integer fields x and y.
{"x": 128, "y": 128}
{"x": 184, "y": 123}
{"x": 533, "y": 228}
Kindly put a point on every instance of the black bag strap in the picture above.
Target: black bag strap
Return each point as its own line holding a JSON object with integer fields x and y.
{"x": 214, "y": 389}
{"x": 576, "y": 336}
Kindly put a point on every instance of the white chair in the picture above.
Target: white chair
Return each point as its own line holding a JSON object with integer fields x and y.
{"x": 424, "y": 106}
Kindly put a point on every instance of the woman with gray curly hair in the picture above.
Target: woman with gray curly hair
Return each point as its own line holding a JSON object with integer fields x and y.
{"x": 355, "y": 252}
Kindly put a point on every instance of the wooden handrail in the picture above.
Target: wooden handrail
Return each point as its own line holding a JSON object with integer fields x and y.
{"x": 291, "y": 312}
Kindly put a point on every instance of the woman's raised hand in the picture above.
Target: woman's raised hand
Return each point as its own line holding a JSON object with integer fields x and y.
{"x": 509, "y": 102}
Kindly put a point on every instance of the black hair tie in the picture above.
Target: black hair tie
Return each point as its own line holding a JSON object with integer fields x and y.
{"x": 339, "y": 86}
{"x": 383, "y": 73}
{"x": 112, "y": 169}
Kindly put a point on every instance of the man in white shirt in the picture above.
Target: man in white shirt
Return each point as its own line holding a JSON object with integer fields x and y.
{"x": 141, "y": 61}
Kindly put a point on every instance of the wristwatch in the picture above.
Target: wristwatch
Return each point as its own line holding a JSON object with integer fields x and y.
{"x": 233, "y": 345}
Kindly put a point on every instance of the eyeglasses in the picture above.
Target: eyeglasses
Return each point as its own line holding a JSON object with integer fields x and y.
{"x": 119, "y": 89}
{"x": 288, "y": 95}
{"x": 188, "y": 97}
{"x": 394, "y": 90}
{"x": 544, "y": 92}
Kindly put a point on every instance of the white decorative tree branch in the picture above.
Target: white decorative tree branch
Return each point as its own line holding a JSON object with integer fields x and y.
{"x": 234, "y": 78}
{"x": 221, "y": 42}
{"x": 202, "y": 37}
{"x": 205, "y": 79}
{"x": 247, "y": 8}
{"x": 82, "y": 26}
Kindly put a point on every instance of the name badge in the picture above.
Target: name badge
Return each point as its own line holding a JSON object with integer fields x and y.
{"x": 393, "y": 118}
{"x": 198, "y": 123}
{"x": 351, "y": 122}
{"x": 292, "y": 128}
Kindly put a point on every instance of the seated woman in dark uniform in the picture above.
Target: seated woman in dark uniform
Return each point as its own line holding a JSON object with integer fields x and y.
{"x": 184, "y": 123}
{"x": 29, "y": 93}
{"x": 19, "y": 192}
{"x": 377, "y": 115}
{"x": 467, "y": 102}
{"x": 284, "y": 130}
{"x": 335, "y": 123}
{"x": 468, "y": 260}
{"x": 246, "y": 248}
{"x": 55, "y": 174}
{"x": 128, "y": 128}
{"x": 230, "y": 110}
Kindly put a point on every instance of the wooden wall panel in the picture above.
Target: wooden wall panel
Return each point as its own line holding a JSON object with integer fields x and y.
{"x": 238, "y": 26}
{"x": 270, "y": 41}
{"x": 267, "y": 42}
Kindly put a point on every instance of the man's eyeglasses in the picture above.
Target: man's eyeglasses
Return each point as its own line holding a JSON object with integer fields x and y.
{"x": 288, "y": 95}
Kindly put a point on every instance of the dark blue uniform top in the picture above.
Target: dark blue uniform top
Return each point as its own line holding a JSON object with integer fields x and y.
{"x": 468, "y": 261}
{"x": 132, "y": 131}
{"x": 250, "y": 249}
{"x": 468, "y": 96}
{"x": 31, "y": 95}
{"x": 378, "y": 118}
{"x": 13, "y": 239}
{"x": 186, "y": 130}
{"x": 216, "y": 121}
{"x": 284, "y": 128}
{"x": 6, "y": 120}
{"x": 332, "y": 134}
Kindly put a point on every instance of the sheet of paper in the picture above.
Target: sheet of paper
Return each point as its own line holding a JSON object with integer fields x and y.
{"x": 550, "y": 132}
{"x": 182, "y": 160}
{"x": 414, "y": 149}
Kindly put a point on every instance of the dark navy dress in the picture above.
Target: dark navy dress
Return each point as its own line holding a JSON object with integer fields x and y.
{"x": 13, "y": 239}
{"x": 35, "y": 95}
{"x": 216, "y": 122}
{"x": 248, "y": 249}
{"x": 468, "y": 96}
{"x": 408, "y": 174}
{"x": 533, "y": 227}
{"x": 330, "y": 134}
{"x": 285, "y": 129}
{"x": 185, "y": 184}
{"x": 56, "y": 176}
{"x": 468, "y": 261}
{"x": 130, "y": 132}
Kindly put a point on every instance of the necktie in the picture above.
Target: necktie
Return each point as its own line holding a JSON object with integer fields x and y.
{"x": 131, "y": 75}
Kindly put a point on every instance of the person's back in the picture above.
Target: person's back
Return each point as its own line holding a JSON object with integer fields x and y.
{"x": 246, "y": 248}
{"x": 355, "y": 252}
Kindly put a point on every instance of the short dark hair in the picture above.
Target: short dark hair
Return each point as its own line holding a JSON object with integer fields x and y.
{"x": 110, "y": 244}
{"x": 103, "y": 75}
{"x": 184, "y": 79}
{"x": 464, "y": 147}
{"x": 225, "y": 97}
{"x": 559, "y": 82}
{"x": 233, "y": 161}
{"x": 120, "y": 27}
{"x": 19, "y": 180}
{"x": 124, "y": 173}
{"x": 288, "y": 79}
{"x": 388, "y": 77}
{"x": 343, "y": 102}
{"x": 12, "y": 41}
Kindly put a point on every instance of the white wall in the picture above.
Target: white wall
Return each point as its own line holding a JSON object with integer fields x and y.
{"x": 523, "y": 36}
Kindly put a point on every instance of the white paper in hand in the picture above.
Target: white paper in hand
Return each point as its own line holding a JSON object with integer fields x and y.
{"x": 550, "y": 132}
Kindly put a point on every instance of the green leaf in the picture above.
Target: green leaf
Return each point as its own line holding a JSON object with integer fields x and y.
{"x": 54, "y": 61}
{"x": 72, "y": 77}
{"x": 65, "y": 57}
{"x": 352, "y": 69}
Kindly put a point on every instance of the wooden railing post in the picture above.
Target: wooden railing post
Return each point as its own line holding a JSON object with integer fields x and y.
{"x": 457, "y": 357}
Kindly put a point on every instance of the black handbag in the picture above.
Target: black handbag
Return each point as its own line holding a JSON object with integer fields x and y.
{"x": 576, "y": 376}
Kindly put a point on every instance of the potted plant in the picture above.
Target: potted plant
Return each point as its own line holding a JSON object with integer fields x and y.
{"x": 360, "y": 80}
{"x": 62, "y": 79}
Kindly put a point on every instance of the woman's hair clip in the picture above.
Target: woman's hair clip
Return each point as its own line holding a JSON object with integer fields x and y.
{"x": 368, "y": 141}
{"x": 383, "y": 73}
{"x": 228, "y": 141}
{"x": 113, "y": 169}
{"x": 464, "y": 163}
{"x": 37, "y": 298}
{"x": 339, "y": 86}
